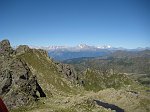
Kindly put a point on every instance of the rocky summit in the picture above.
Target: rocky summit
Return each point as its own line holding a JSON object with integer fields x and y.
{"x": 30, "y": 81}
{"x": 5, "y": 48}
{"x": 18, "y": 85}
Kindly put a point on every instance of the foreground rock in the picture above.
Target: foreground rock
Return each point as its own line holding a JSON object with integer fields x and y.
{"x": 18, "y": 85}
{"x": 27, "y": 74}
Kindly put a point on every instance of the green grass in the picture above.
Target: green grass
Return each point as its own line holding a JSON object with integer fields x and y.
{"x": 62, "y": 96}
{"x": 97, "y": 81}
{"x": 46, "y": 71}
{"x": 122, "y": 98}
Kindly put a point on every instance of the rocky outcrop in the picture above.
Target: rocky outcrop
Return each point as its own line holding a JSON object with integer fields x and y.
{"x": 22, "y": 49}
{"x": 43, "y": 52}
{"x": 5, "y": 48}
{"x": 18, "y": 85}
{"x": 67, "y": 71}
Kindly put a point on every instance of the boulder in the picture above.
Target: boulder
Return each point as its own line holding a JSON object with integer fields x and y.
{"x": 5, "y": 48}
{"x": 68, "y": 71}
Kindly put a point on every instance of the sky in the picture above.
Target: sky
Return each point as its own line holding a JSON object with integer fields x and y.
{"x": 119, "y": 23}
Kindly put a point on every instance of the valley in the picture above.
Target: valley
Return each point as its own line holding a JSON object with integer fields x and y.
{"x": 31, "y": 81}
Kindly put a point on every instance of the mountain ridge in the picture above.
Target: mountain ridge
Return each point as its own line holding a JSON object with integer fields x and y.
{"x": 28, "y": 74}
{"x": 85, "y": 47}
{"x": 72, "y": 48}
{"x": 30, "y": 81}
{"x": 62, "y": 53}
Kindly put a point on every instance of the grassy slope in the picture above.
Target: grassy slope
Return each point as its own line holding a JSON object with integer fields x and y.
{"x": 47, "y": 74}
{"x": 97, "y": 81}
{"x": 123, "y": 98}
{"x": 64, "y": 98}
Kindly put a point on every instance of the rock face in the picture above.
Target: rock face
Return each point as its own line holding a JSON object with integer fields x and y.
{"x": 5, "y": 48}
{"x": 18, "y": 85}
{"x": 43, "y": 52}
{"x": 67, "y": 71}
{"x": 22, "y": 49}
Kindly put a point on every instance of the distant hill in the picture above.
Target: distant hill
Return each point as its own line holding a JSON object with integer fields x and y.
{"x": 64, "y": 55}
{"x": 82, "y": 50}
{"x": 61, "y": 53}
{"x": 132, "y": 62}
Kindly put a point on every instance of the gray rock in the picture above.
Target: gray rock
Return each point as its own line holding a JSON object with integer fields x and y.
{"x": 68, "y": 71}
{"x": 18, "y": 86}
{"x": 5, "y": 48}
{"x": 22, "y": 49}
{"x": 43, "y": 52}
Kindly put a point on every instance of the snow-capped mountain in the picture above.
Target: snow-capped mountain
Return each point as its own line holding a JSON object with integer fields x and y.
{"x": 82, "y": 50}
{"x": 49, "y": 47}
{"x": 104, "y": 47}
{"x": 84, "y": 46}
{"x": 74, "y": 48}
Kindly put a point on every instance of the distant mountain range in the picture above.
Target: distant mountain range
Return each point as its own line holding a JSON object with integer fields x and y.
{"x": 84, "y": 47}
{"x": 62, "y": 53}
{"x": 74, "y": 48}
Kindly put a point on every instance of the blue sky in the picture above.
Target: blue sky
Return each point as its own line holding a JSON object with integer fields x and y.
{"x": 119, "y": 23}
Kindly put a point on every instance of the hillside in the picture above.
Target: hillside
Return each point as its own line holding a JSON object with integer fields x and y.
{"x": 134, "y": 63}
{"x": 32, "y": 74}
{"x": 94, "y": 80}
{"x": 64, "y": 55}
{"x": 30, "y": 81}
